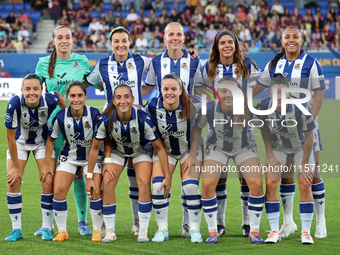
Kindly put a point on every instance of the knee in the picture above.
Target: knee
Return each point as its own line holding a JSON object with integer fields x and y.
{"x": 255, "y": 187}
{"x": 304, "y": 187}
{"x": 208, "y": 189}
{"x": 144, "y": 184}
{"x": 271, "y": 185}
{"x": 58, "y": 189}
{"x": 108, "y": 182}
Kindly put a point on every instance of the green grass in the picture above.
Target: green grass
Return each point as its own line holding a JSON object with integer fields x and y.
{"x": 233, "y": 243}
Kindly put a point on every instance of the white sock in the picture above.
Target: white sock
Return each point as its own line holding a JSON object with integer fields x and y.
{"x": 109, "y": 215}
{"x": 14, "y": 203}
{"x": 306, "y": 214}
{"x": 47, "y": 210}
{"x": 210, "y": 212}
{"x": 96, "y": 213}
{"x": 273, "y": 214}
{"x": 244, "y": 204}
{"x": 60, "y": 213}
{"x": 221, "y": 195}
{"x": 133, "y": 193}
{"x": 287, "y": 192}
{"x": 160, "y": 204}
{"x": 191, "y": 190}
{"x": 185, "y": 219}
{"x": 318, "y": 191}
{"x": 144, "y": 213}
{"x": 255, "y": 207}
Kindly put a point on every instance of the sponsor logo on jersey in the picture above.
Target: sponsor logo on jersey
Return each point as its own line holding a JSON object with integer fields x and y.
{"x": 280, "y": 66}
{"x": 8, "y": 117}
{"x": 69, "y": 126}
{"x": 112, "y": 68}
{"x": 62, "y": 76}
{"x": 165, "y": 65}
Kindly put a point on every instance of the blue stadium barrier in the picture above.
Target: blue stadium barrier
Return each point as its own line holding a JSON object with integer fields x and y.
{"x": 9, "y": 7}
{"x": 19, "y": 7}
{"x": 27, "y": 6}
{"x": 95, "y": 14}
{"x": 107, "y": 6}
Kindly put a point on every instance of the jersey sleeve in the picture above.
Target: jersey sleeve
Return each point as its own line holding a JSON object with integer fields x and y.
{"x": 55, "y": 128}
{"x": 201, "y": 121}
{"x": 205, "y": 72}
{"x": 151, "y": 79}
{"x": 40, "y": 69}
{"x": 316, "y": 76}
{"x": 52, "y": 100}
{"x": 255, "y": 72}
{"x": 94, "y": 76}
{"x": 100, "y": 130}
{"x": 307, "y": 121}
{"x": 147, "y": 62}
{"x": 198, "y": 78}
{"x": 150, "y": 129}
{"x": 13, "y": 113}
{"x": 264, "y": 78}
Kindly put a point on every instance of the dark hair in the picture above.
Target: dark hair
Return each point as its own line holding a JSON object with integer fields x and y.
{"x": 73, "y": 84}
{"x": 110, "y": 110}
{"x": 31, "y": 76}
{"x": 278, "y": 56}
{"x": 53, "y": 56}
{"x": 119, "y": 29}
{"x": 247, "y": 115}
{"x": 214, "y": 56}
{"x": 188, "y": 108}
{"x": 278, "y": 78}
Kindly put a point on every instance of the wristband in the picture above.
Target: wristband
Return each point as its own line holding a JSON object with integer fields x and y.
{"x": 107, "y": 160}
{"x": 89, "y": 175}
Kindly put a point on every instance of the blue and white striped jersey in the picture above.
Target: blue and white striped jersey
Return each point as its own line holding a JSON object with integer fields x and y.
{"x": 128, "y": 138}
{"x": 173, "y": 128}
{"x": 188, "y": 69}
{"x": 290, "y": 138}
{"x": 78, "y": 133}
{"x": 224, "y": 133}
{"x": 304, "y": 72}
{"x": 114, "y": 73}
{"x": 229, "y": 70}
{"x": 31, "y": 124}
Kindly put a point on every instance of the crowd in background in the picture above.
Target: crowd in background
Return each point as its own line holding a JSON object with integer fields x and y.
{"x": 257, "y": 24}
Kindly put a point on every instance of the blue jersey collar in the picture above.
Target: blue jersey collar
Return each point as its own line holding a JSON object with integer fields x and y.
{"x": 133, "y": 116}
{"x": 114, "y": 59}
{"x": 302, "y": 54}
{"x": 166, "y": 55}
{"x": 23, "y": 103}
{"x": 70, "y": 115}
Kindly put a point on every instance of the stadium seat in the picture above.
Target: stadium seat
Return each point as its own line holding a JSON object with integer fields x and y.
{"x": 170, "y": 5}
{"x": 107, "y": 6}
{"x": 27, "y": 6}
{"x": 76, "y": 6}
{"x": 124, "y": 13}
{"x": 85, "y": 29}
{"x": 35, "y": 17}
{"x": 186, "y": 29}
{"x": 270, "y": 3}
{"x": 182, "y": 5}
{"x": 4, "y": 14}
{"x": 8, "y": 7}
{"x": 289, "y": 4}
{"x": 158, "y": 13}
{"x": 19, "y": 7}
{"x": 94, "y": 14}
{"x": 147, "y": 13}
{"x": 323, "y": 4}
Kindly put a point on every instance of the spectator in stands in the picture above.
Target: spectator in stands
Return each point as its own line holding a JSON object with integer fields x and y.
{"x": 197, "y": 17}
{"x": 16, "y": 45}
{"x": 63, "y": 22}
{"x": 103, "y": 43}
{"x": 317, "y": 25}
{"x": 253, "y": 48}
{"x": 331, "y": 15}
{"x": 165, "y": 16}
{"x": 118, "y": 21}
{"x": 147, "y": 34}
{"x": 154, "y": 43}
{"x": 210, "y": 34}
{"x": 85, "y": 19}
{"x": 4, "y": 41}
{"x": 230, "y": 14}
{"x": 327, "y": 36}
{"x": 222, "y": 7}
{"x": 131, "y": 17}
{"x": 54, "y": 8}
{"x": 241, "y": 14}
{"x": 186, "y": 18}
{"x": 29, "y": 27}
{"x": 152, "y": 16}
{"x": 137, "y": 27}
{"x": 10, "y": 18}
{"x": 211, "y": 7}
{"x": 158, "y": 5}
{"x": 297, "y": 14}
{"x": 336, "y": 43}
{"x": 79, "y": 38}
{"x": 147, "y": 4}
{"x": 141, "y": 43}
{"x": 94, "y": 27}
{"x": 191, "y": 32}
{"x": 276, "y": 40}
{"x": 316, "y": 40}
{"x": 174, "y": 16}
{"x": 256, "y": 8}
{"x": 104, "y": 28}
{"x": 158, "y": 33}
{"x": 71, "y": 11}
{"x": 200, "y": 43}
{"x": 24, "y": 37}
{"x": 126, "y": 4}
{"x": 110, "y": 18}
{"x": 209, "y": 17}
{"x": 245, "y": 34}
{"x": 73, "y": 25}
{"x": 117, "y": 5}
{"x": 22, "y": 17}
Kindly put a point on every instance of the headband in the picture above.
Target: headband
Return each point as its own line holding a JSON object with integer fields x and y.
{"x": 222, "y": 33}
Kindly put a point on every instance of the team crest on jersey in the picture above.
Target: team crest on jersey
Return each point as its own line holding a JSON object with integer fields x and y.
{"x": 76, "y": 65}
{"x": 184, "y": 66}
{"x": 297, "y": 66}
{"x": 165, "y": 65}
{"x": 130, "y": 66}
{"x": 134, "y": 130}
{"x": 42, "y": 114}
{"x": 207, "y": 152}
{"x": 180, "y": 114}
{"x": 87, "y": 125}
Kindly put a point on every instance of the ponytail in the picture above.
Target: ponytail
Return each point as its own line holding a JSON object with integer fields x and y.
{"x": 276, "y": 58}
{"x": 187, "y": 106}
{"x": 110, "y": 110}
{"x": 51, "y": 64}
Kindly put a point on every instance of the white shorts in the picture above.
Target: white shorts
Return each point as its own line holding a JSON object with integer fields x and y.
{"x": 73, "y": 167}
{"x": 282, "y": 158}
{"x": 216, "y": 154}
{"x": 120, "y": 159}
{"x": 23, "y": 151}
{"x": 317, "y": 138}
{"x": 173, "y": 158}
